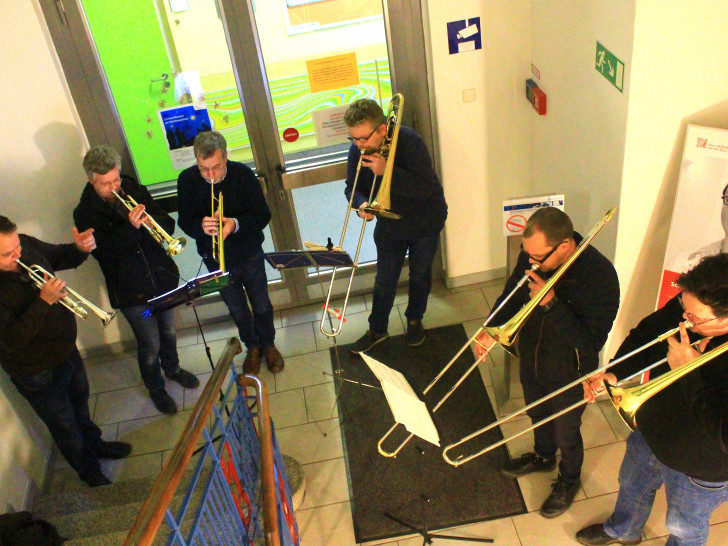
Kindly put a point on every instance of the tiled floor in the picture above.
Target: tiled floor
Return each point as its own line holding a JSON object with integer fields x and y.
{"x": 307, "y": 426}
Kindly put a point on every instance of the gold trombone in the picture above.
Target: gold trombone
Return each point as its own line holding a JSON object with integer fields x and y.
{"x": 379, "y": 205}
{"x": 218, "y": 245}
{"x": 462, "y": 459}
{"x": 505, "y": 335}
{"x": 74, "y": 302}
{"x": 174, "y": 246}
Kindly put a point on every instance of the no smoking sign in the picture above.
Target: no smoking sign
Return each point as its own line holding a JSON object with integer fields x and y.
{"x": 516, "y": 212}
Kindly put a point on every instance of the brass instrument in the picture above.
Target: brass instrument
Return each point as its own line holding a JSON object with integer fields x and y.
{"x": 505, "y": 335}
{"x": 379, "y": 206}
{"x": 462, "y": 460}
{"x": 174, "y": 246}
{"x": 218, "y": 244}
{"x": 74, "y": 302}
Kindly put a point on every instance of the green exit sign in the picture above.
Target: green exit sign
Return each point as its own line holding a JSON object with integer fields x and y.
{"x": 610, "y": 67}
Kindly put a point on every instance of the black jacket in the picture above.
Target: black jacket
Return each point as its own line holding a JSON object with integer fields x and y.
{"x": 243, "y": 200}
{"x": 686, "y": 424}
{"x": 416, "y": 192}
{"x": 559, "y": 346}
{"x": 34, "y": 336}
{"x": 136, "y": 268}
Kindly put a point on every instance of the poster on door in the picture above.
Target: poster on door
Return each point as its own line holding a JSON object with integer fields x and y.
{"x": 699, "y": 225}
{"x": 181, "y": 125}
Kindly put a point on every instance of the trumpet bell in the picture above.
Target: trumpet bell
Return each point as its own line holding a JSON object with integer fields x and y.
{"x": 176, "y": 246}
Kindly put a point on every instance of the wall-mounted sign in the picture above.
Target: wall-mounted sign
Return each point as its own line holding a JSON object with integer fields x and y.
{"x": 516, "y": 212}
{"x": 329, "y": 126}
{"x": 332, "y": 72}
{"x": 610, "y": 67}
{"x": 464, "y": 35}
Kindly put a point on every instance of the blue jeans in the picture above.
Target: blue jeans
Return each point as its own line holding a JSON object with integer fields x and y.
{"x": 690, "y": 502}
{"x": 248, "y": 283}
{"x": 156, "y": 344}
{"x": 391, "y": 252}
{"x": 60, "y": 398}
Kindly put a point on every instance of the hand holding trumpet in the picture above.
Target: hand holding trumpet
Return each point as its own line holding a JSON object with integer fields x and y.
{"x": 137, "y": 216}
{"x": 52, "y": 290}
{"x": 210, "y": 225}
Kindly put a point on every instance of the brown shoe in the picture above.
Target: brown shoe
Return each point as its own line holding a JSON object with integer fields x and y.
{"x": 251, "y": 364}
{"x": 274, "y": 359}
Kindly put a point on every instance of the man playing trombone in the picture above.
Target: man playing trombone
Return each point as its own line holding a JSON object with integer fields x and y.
{"x": 416, "y": 195}
{"x": 38, "y": 347}
{"x": 681, "y": 438}
{"x": 557, "y": 344}
{"x": 136, "y": 267}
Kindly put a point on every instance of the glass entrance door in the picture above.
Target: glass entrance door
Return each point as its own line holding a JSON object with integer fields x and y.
{"x": 274, "y": 76}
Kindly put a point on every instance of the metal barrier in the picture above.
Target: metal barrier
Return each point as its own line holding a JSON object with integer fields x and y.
{"x": 238, "y": 492}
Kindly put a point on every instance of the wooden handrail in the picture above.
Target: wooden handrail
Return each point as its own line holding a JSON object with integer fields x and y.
{"x": 267, "y": 471}
{"x": 152, "y": 511}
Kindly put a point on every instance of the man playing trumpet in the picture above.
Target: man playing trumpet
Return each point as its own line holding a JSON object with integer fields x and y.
{"x": 557, "y": 344}
{"x": 38, "y": 347}
{"x": 135, "y": 266}
{"x": 681, "y": 439}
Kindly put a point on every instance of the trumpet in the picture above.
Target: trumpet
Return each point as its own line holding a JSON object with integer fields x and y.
{"x": 218, "y": 245}
{"x": 616, "y": 389}
{"x": 174, "y": 246}
{"x": 505, "y": 335}
{"x": 379, "y": 206}
{"x": 74, "y": 302}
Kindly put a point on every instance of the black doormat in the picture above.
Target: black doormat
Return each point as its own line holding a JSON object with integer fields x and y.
{"x": 475, "y": 491}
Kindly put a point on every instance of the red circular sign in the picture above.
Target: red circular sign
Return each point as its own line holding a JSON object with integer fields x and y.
{"x": 516, "y": 223}
{"x": 290, "y": 135}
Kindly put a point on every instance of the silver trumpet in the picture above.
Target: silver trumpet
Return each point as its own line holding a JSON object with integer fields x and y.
{"x": 174, "y": 246}
{"x": 74, "y": 302}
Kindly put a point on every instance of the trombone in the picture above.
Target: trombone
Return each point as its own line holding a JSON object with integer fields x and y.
{"x": 174, "y": 246}
{"x": 218, "y": 245}
{"x": 74, "y": 302}
{"x": 379, "y": 205}
{"x": 505, "y": 335}
{"x": 662, "y": 337}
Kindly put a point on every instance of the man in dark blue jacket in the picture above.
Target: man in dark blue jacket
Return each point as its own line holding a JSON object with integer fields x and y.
{"x": 557, "y": 344}
{"x": 246, "y": 214}
{"x": 416, "y": 195}
{"x": 136, "y": 268}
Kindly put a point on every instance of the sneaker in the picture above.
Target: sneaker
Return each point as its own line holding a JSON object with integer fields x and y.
{"x": 561, "y": 497}
{"x": 251, "y": 364}
{"x": 186, "y": 379}
{"x": 527, "y": 463}
{"x": 163, "y": 402}
{"x": 274, "y": 359}
{"x": 367, "y": 341}
{"x": 97, "y": 479}
{"x": 415, "y": 333}
{"x": 595, "y": 535}
{"x": 113, "y": 450}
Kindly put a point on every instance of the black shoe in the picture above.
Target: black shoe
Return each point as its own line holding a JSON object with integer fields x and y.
{"x": 186, "y": 379}
{"x": 274, "y": 359}
{"x": 163, "y": 401}
{"x": 561, "y": 497}
{"x": 415, "y": 333}
{"x": 367, "y": 341}
{"x": 113, "y": 450}
{"x": 97, "y": 479}
{"x": 594, "y": 535}
{"x": 527, "y": 463}
{"x": 251, "y": 364}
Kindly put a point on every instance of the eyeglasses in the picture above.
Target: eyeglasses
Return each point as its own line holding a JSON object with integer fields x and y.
{"x": 546, "y": 257}
{"x": 692, "y": 318}
{"x": 110, "y": 183}
{"x": 361, "y": 139}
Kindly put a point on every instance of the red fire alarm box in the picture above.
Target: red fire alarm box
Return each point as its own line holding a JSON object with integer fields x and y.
{"x": 539, "y": 101}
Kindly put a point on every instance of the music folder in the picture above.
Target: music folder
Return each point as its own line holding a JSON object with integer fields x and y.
{"x": 408, "y": 410}
{"x": 201, "y": 285}
{"x": 288, "y": 259}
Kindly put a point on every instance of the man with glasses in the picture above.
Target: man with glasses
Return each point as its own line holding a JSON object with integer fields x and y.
{"x": 416, "y": 194}
{"x": 246, "y": 214}
{"x": 136, "y": 268}
{"x": 557, "y": 344}
{"x": 681, "y": 439}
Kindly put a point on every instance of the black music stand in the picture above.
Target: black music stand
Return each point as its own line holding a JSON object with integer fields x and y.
{"x": 188, "y": 292}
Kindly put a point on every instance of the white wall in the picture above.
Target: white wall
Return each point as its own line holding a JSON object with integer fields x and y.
{"x": 484, "y": 146}
{"x": 677, "y": 78}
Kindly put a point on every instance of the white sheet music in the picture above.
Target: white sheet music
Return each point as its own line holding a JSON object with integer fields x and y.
{"x": 408, "y": 410}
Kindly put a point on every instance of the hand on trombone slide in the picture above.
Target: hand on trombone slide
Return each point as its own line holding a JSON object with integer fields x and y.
{"x": 483, "y": 343}
{"x": 682, "y": 351}
{"x": 365, "y": 215}
{"x": 594, "y": 385}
